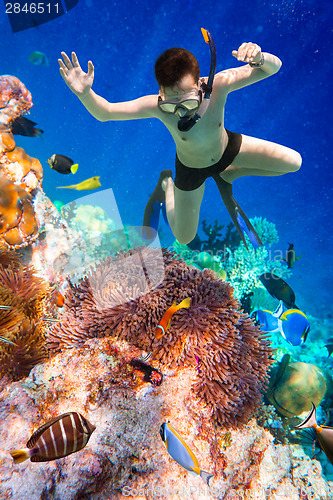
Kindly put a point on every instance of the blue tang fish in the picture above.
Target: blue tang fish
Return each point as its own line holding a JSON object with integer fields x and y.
{"x": 293, "y": 324}
{"x": 181, "y": 453}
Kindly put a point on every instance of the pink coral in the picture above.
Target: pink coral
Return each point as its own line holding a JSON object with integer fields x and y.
{"x": 15, "y": 99}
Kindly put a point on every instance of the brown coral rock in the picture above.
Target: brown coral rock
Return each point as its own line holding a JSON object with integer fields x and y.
{"x": 18, "y": 225}
{"x": 229, "y": 353}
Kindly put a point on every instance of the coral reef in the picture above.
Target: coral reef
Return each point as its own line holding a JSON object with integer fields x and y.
{"x": 20, "y": 174}
{"x": 125, "y": 457}
{"x": 244, "y": 266}
{"x": 15, "y": 99}
{"x": 101, "y": 234}
{"x": 230, "y": 260}
{"x": 214, "y": 243}
{"x": 29, "y": 299}
{"x": 18, "y": 225}
{"x": 230, "y": 354}
{"x": 266, "y": 230}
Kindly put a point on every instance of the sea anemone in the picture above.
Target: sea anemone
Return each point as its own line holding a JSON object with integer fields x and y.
{"x": 126, "y": 296}
{"x": 29, "y": 300}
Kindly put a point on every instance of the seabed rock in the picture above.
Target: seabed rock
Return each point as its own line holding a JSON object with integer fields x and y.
{"x": 125, "y": 456}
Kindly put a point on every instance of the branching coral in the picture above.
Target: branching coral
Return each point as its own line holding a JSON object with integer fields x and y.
{"x": 244, "y": 266}
{"x": 20, "y": 174}
{"x": 29, "y": 299}
{"x": 116, "y": 299}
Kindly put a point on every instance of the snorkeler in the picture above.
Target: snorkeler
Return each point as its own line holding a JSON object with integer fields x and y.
{"x": 192, "y": 109}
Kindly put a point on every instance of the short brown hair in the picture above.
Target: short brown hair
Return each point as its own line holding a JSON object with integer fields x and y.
{"x": 173, "y": 64}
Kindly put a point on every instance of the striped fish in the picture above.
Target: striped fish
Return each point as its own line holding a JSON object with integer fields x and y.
{"x": 59, "y": 437}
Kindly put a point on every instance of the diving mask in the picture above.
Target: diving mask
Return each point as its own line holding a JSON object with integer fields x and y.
{"x": 188, "y": 108}
{"x": 189, "y": 103}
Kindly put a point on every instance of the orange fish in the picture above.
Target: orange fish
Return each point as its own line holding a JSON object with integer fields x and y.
{"x": 60, "y": 300}
{"x": 165, "y": 321}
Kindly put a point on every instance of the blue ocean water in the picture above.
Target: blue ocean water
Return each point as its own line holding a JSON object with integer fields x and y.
{"x": 123, "y": 39}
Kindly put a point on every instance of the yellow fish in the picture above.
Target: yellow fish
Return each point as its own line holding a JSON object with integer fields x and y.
{"x": 92, "y": 183}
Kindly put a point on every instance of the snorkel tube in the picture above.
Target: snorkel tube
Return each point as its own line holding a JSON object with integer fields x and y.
{"x": 208, "y": 87}
{"x": 185, "y": 124}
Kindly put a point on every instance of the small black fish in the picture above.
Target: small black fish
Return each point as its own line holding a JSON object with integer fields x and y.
{"x": 61, "y": 436}
{"x": 26, "y": 127}
{"x": 62, "y": 164}
{"x": 291, "y": 256}
{"x": 151, "y": 374}
{"x": 279, "y": 289}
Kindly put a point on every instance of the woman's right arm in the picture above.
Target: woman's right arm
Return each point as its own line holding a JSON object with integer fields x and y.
{"x": 80, "y": 84}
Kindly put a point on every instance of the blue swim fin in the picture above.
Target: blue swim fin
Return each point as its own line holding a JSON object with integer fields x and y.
{"x": 239, "y": 218}
{"x": 247, "y": 228}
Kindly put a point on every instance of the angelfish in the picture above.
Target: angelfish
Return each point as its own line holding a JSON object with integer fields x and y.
{"x": 62, "y": 164}
{"x": 166, "y": 318}
{"x": 324, "y": 434}
{"x": 61, "y": 436}
{"x": 181, "y": 453}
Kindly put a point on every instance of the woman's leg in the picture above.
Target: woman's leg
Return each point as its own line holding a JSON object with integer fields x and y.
{"x": 259, "y": 157}
{"x": 183, "y": 209}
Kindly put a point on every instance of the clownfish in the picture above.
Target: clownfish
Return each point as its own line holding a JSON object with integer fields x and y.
{"x": 166, "y": 318}
{"x": 60, "y": 300}
{"x": 181, "y": 453}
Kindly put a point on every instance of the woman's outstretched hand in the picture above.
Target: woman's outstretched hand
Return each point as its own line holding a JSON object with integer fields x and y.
{"x": 248, "y": 52}
{"x": 77, "y": 80}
